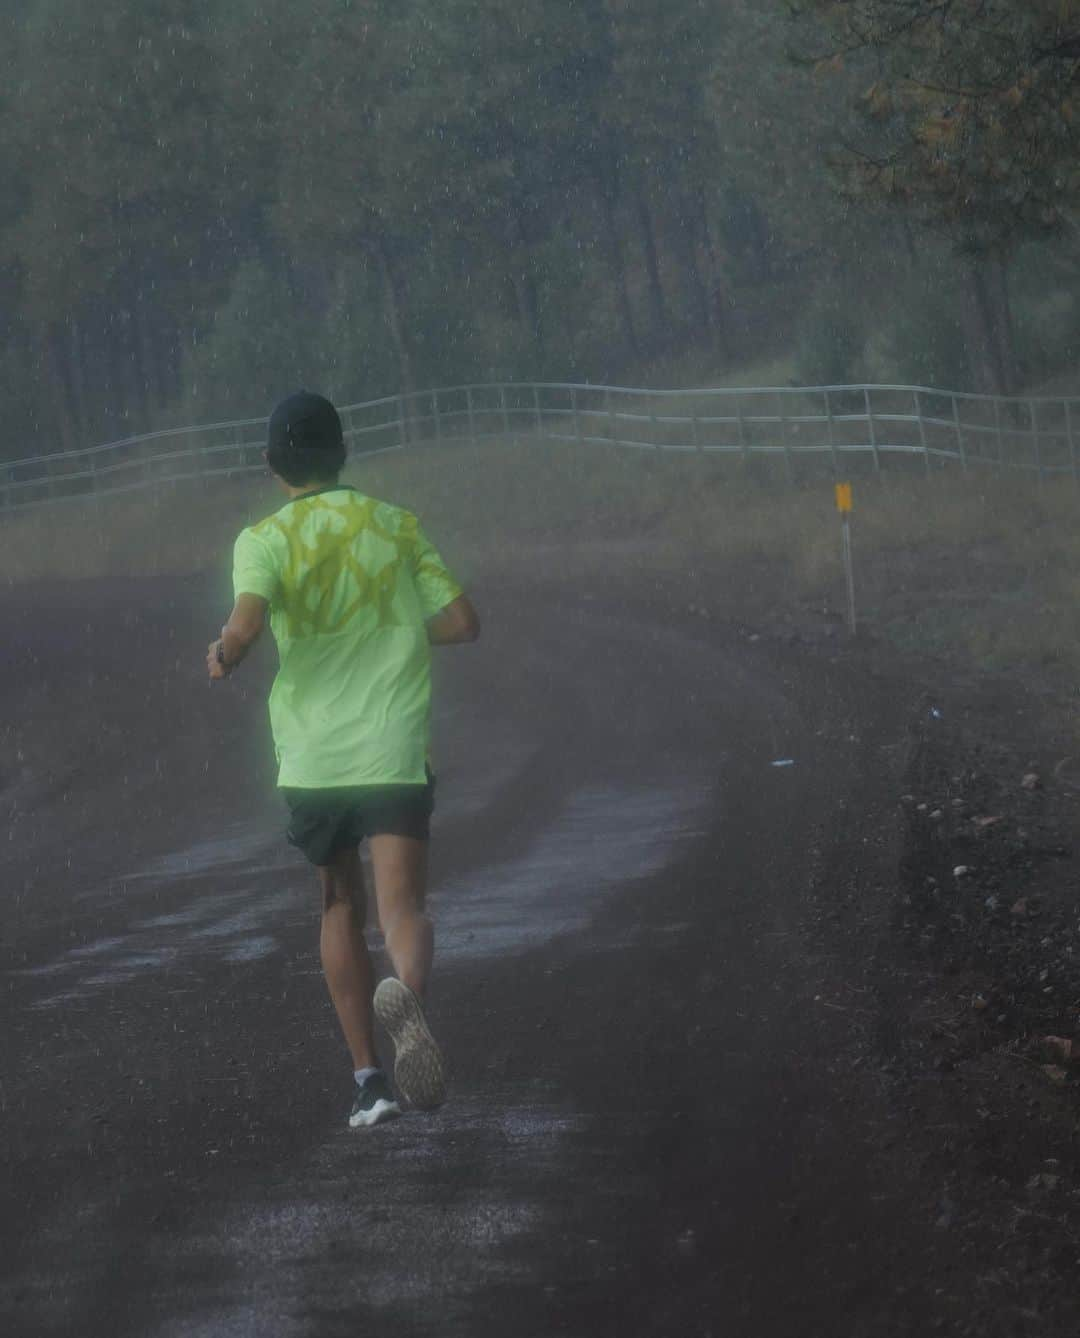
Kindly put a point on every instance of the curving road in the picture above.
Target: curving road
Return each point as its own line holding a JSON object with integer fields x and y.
{"x": 651, "y": 1131}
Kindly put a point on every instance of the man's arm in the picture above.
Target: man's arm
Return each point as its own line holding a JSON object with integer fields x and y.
{"x": 454, "y": 625}
{"x": 239, "y": 634}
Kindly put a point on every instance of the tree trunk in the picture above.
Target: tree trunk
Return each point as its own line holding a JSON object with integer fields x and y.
{"x": 522, "y": 279}
{"x": 1006, "y": 325}
{"x": 686, "y": 234}
{"x": 76, "y": 375}
{"x": 993, "y": 336}
{"x": 149, "y": 356}
{"x": 618, "y": 271}
{"x": 141, "y": 367}
{"x": 718, "y": 314}
{"x": 657, "y": 301}
{"x": 393, "y": 307}
{"x": 57, "y": 361}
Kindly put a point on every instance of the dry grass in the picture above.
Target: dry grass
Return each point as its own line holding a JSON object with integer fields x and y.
{"x": 974, "y": 565}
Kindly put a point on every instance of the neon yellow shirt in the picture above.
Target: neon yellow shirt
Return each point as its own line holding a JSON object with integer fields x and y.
{"x": 350, "y": 582}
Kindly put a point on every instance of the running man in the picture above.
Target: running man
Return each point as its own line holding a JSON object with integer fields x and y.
{"x": 355, "y": 595}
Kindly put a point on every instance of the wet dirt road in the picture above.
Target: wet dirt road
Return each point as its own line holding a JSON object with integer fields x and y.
{"x": 648, "y": 1132}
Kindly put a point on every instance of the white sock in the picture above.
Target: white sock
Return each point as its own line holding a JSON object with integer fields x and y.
{"x": 362, "y": 1075}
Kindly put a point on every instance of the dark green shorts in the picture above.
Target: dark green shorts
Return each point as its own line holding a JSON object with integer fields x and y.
{"x": 323, "y": 822}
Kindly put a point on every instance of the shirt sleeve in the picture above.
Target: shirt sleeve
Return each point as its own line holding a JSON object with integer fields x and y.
{"x": 254, "y": 571}
{"x": 435, "y": 586}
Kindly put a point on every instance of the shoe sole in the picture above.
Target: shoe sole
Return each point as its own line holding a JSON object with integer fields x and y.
{"x": 379, "y": 1113}
{"x": 419, "y": 1073}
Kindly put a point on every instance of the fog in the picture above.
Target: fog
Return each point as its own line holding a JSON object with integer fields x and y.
{"x": 726, "y": 350}
{"x": 209, "y": 204}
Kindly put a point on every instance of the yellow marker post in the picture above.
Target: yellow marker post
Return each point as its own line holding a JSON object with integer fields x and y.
{"x": 844, "y": 504}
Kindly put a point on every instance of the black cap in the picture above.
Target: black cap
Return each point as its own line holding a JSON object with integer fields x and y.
{"x": 305, "y": 421}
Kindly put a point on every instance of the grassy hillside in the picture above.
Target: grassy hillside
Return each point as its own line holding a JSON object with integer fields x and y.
{"x": 971, "y": 566}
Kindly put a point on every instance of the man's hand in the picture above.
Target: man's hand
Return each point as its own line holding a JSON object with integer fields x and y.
{"x": 245, "y": 626}
{"x": 214, "y": 666}
{"x": 454, "y": 625}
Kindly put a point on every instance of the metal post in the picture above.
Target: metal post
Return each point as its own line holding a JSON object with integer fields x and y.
{"x": 832, "y": 436}
{"x": 469, "y": 411}
{"x": 872, "y": 429}
{"x": 922, "y": 434}
{"x": 1000, "y": 434}
{"x": 437, "y": 417}
{"x": 960, "y": 448}
{"x": 505, "y": 413}
{"x": 536, "y": 407}
{"x": 577, "y": 419}
{"x": 849, "y": 572}
{"x": 401, "y": 420}
{"x": 742, "y": 430}
{"x": 695, "y": 436}
{"x": 1035, "y": 435}
{"x": 784, "y": 437}
{"x": 613, "y": 424}
{"x": 1072, "y": 440}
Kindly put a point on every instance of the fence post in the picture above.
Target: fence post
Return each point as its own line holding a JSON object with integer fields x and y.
{"x": 577, "y": 419}
{"x": 505, "y": 413}
{"x": 695, "y": 436}
{"x": 742, "y": 431}
{"x": 922, "y": 434}
{"x": 469, "y": 411}
{"x": 436, "y": 416}
{"x": 872, "y": 429}
{"x": 401, "y": 420}
{"x": 832, "y": 434}
{"x": 536, "y": 407}
{"x": 784, "y": 437}
{"x": 613, "y": 425}
{"x": 1000, "y": 434}
{"x": 1035, "y": 436}
{"x": 960, "y": 448}
{"x": 1072, "y": 440}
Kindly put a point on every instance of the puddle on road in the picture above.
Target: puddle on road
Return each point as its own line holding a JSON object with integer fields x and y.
{"x": 221, "y": 925}
{"x": 241, "y": 846}
{"x": 601, "y": 839}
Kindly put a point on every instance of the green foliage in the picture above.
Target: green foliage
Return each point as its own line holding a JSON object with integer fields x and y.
{"x": 263, "y": 344}
{"x": 971, "y": 112}
{"x": 209, "y": 202}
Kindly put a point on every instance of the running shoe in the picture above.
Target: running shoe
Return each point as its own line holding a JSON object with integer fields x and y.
{"x": 419, "y": 1073}
{"x": 374, "y": 1103}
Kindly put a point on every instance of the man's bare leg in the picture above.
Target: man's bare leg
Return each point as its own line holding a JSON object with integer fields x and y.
{"x": 400, "y": 867}
{"x": 345, "y": 960}
{"x": 399, "y": 864}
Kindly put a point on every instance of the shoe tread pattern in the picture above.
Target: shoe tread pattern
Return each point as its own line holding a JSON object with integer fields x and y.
{"x": 419, "y": 1072}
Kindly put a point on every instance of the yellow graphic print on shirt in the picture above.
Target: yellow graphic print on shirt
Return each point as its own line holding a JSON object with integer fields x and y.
{"x": 327, "y": 577}
{"x": 350, "y": 582}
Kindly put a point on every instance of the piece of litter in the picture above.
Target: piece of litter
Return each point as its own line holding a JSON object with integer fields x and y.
{"x": 783, "y": 762}
{"x": 935, "y": 714}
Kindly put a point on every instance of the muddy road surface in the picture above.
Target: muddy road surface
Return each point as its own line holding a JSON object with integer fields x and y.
{"x": 653, "y": 1129}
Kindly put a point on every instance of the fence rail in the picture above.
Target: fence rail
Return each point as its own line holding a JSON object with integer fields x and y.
{"x": 932, "y": 428}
